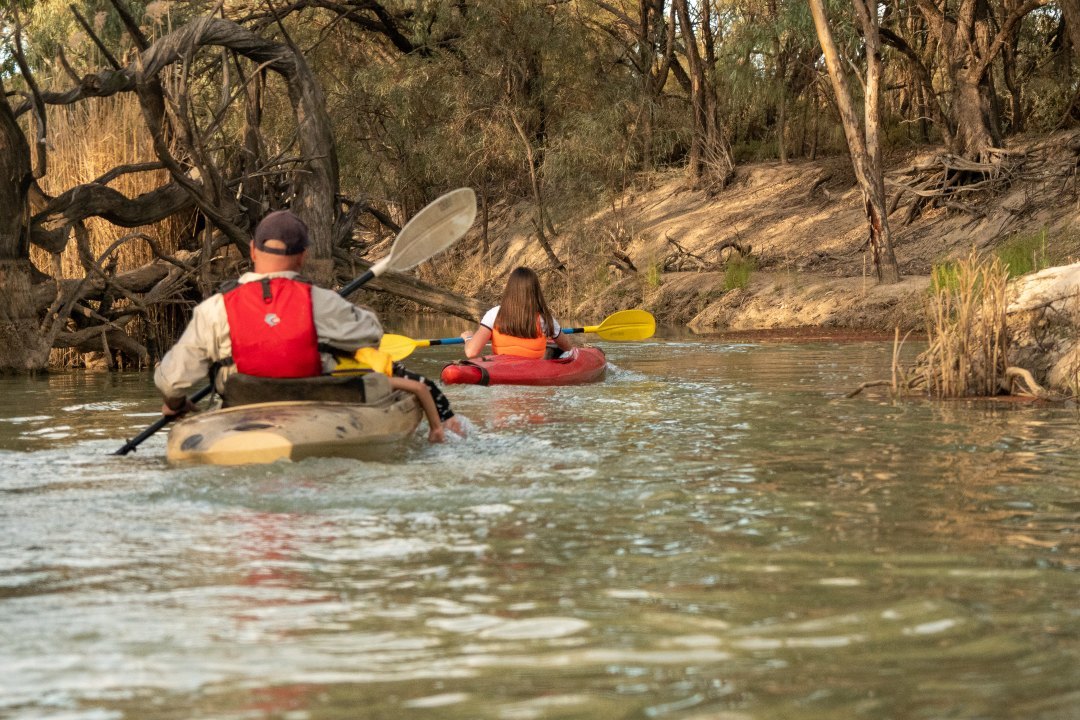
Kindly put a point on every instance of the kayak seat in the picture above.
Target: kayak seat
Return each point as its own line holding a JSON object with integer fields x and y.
{"x": 241, "y": 389}
{"x": 554, "y": 352}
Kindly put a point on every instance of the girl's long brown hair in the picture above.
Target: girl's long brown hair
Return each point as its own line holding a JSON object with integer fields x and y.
{"x": 522, "y": 302}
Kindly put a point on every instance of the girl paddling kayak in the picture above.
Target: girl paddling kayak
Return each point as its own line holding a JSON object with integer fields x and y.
{"x": 521, "y": 325}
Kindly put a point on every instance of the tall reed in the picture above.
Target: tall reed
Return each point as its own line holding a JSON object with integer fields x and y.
{"x": 86, "y": 140}
{"x": 967, "y": 330}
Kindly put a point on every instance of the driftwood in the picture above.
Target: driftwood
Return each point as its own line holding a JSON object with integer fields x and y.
{"x": 868, "y": 384}
{"x": 1044, "y": 318}
{"x": 622, "y": 262}
{"x": 1018, "y": 381}
{"x": 422, "y": 293}
{"x": 682, "y": 259}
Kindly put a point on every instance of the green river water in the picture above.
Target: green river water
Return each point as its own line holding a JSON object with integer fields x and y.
{"x": 712, "y": 533}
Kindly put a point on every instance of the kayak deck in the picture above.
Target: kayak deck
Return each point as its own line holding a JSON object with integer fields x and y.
{"x": 581, "y": 365}
{"x": 293, "y": 430}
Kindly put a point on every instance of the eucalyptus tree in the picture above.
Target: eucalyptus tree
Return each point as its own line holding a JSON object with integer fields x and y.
{"x": 522, "y": 99}
{"x": 21, "y": 346}
{"x": 709, "y": 157}
{"x": 863, "y": 137}
{"x": 953, "y": 48}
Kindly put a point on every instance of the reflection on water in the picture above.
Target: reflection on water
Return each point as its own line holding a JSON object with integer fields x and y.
{"x": 712, "y": 532}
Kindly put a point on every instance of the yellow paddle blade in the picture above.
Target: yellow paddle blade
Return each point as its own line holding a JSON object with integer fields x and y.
{"x": 347, "y": 365}
{"x": 626, "y": 325}
{"x": 399, "y": 346}
{"x": 365, "y": 360}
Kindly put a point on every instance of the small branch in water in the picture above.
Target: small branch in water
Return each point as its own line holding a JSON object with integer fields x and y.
{"x": 868, "y": 384}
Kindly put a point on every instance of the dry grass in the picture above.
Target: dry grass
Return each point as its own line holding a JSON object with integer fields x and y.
{"x": 86, "y": 140}
{"x": 967, "y": 332}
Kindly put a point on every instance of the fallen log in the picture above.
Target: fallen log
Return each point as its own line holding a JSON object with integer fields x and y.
{"x": 422, "y": 293}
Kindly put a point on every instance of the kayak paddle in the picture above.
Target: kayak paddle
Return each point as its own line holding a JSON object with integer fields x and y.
{"x": 620, "y": 326}
{"x": 437, "y": 226}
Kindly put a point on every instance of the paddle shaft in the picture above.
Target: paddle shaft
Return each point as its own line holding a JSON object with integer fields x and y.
{"x": 461, "y": 340}
{"x": 623, "y": 325}
{"x": 355, "y": 284}
{"x": 158, "y": 424}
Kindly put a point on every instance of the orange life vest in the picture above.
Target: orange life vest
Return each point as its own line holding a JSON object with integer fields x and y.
{"x": 503, "y": 344}
{"x": 272, "y": 328}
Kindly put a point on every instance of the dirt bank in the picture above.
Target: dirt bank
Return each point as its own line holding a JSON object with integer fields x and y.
{"x": 805, "y": 230}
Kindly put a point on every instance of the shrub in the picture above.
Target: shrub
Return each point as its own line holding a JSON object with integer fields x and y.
{"x": 653, "y": 274}
{"x": 945, "y": 277}
{"x": 1023, "y": 254}
{"x": 737, "y": 271}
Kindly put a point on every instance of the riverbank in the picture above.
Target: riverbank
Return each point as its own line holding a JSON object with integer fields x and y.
{"x": 670, "y": 250}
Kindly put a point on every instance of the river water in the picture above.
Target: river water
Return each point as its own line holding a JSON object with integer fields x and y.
{"x": 713, "y": 533}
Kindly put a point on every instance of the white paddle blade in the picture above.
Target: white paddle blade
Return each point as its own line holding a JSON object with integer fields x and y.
{"x": 436, "y": 227}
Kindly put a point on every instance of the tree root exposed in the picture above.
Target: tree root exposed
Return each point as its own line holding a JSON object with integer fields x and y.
{"x": 1018, "y": 381}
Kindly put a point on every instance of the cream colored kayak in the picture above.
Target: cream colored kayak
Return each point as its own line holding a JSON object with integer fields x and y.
{"x": 293, "y": 430}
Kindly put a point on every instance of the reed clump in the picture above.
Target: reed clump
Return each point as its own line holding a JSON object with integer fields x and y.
{"x": 967, "y": 332}
{"x": 86, "y": 140}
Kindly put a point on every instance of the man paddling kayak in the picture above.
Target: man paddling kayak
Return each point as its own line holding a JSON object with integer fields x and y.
{"x": 273, "y": 323}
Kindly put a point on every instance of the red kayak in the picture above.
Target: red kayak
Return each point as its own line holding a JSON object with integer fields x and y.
{"x": 581, "y": 365}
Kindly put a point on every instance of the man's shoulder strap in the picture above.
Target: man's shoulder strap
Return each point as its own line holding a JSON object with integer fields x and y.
{"x": 230, "y": 285}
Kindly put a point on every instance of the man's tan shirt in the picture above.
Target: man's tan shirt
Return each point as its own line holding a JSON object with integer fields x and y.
{"x": 338, "y": 323}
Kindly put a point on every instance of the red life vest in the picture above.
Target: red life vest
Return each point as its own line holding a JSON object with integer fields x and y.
{"x": 272, "y": 329}
{"x": 503, "y": 344}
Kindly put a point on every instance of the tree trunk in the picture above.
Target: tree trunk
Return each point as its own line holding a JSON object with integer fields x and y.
{"x": 314, "y": 185}
{"x": 1070, "y": 10}
{"x": 536, "y": 184}
{"x": 863, "y": 139}
{"x": 698, "y": 125}
{"x": 1009, "y": 58}
{"x": 22, "y": 346}
{"x": 411, "y": 288}
{"x": 975, "y": 132}
{"x": 971, "y": 38}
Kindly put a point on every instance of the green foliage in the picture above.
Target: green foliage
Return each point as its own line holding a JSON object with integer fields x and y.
{"x": 1023, "y": 254}
{"x": 495, "y": 83}
{"x": 738, "y": 270}
{"x": 49, "y": 25}
{"x": 474, "y": 113}
{"x": 945, "y": 278}
{"x": 654, "y": 274}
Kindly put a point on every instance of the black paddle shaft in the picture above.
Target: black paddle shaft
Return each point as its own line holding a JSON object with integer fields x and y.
{"x": 158, "y": 424}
